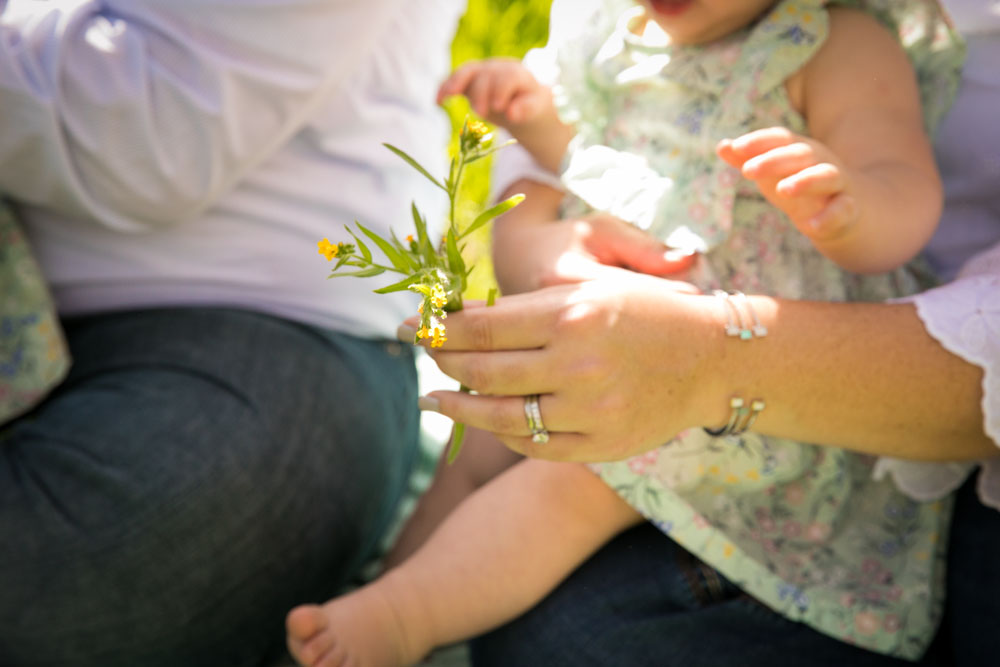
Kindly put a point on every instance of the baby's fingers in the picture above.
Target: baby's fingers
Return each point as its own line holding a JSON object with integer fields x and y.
{"x": 459, "y": 81}
{"x": 780, "y": 162}
{"x": 737, "y": 151}
{"x": 817, "y": 180}
{"x": 834, "y": 220}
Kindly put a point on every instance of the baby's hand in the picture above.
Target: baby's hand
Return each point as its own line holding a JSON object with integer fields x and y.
{"x": 800, "y": 176}
{"x": 500, "y": 90}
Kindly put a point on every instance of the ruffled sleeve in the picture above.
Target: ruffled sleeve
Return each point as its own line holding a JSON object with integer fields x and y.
{"x": 964, "y": 316}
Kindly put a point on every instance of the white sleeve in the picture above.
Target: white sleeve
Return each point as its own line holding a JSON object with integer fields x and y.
{"x": 143, "y": 112}
{"x": 964, "y": 316}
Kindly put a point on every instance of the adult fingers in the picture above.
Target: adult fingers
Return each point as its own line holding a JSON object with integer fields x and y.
{"x": 517, "y": 322}
{"x": 505, "y": 417}
{"x": 508, "y": 372}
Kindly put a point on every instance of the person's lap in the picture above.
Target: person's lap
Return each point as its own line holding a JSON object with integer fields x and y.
{"x": 643, "y": 600}
{"x": 973, "y": 603}
{"x": 199, "y": 473}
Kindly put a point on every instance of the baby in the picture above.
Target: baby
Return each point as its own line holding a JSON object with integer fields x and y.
{"x": 657, "y": 110}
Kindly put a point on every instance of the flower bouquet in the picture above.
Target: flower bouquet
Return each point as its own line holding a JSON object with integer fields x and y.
{"x": 435, "y": 270}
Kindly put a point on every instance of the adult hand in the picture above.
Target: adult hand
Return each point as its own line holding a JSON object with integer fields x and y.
{"x": 621, "y": 365}
{"x": 532, "y": 249}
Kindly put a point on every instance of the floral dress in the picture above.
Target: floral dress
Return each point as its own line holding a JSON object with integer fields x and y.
{"x": 803, "y": 528}
{"x": 33, "y": 355}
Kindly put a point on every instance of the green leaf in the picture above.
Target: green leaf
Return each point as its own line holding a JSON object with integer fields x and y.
{"x": 450, "y": 183}
{"x": 489, "y": 151}
{"x": 493, "y": 212}
{"x": 455, "y": 262}
{"x": 361, "y": 273}
{"x": 398, "y": 262}
{"x": 341, "y": 260}
{"x": 424, "y": 244}
{"x": 491, "y": 297}
{"x": 416, "y": 165}
{"x": 457, "y": 435}
{"x": 404, "y": 251}
{"x": 365, "y": 252}
{"x": 400, "y": 286}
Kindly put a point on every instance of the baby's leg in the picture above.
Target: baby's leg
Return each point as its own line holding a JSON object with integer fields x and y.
{"x": 493, "y": 558}
{"x": 483, "y": 457}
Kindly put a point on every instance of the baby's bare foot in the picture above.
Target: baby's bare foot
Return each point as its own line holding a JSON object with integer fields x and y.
{"x": 361, "y": 629}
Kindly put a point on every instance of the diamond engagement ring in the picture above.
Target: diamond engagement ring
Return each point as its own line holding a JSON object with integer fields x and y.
{"x": 534, "y": 414}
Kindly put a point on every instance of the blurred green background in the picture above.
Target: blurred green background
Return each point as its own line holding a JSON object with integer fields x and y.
{"x": 489, "y": 28}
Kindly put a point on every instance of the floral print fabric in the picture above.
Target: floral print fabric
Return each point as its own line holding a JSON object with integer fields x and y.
{"x": 805, "y": 529}
{"x": 33, "y": 356}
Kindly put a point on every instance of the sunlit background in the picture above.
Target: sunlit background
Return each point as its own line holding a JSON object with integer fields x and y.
{"x": 490, "y": 28}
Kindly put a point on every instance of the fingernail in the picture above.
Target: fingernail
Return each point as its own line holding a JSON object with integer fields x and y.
{"x": 429, "y": 403}
{"x": 677, "y": 254}
{"x": 406, "y": 333}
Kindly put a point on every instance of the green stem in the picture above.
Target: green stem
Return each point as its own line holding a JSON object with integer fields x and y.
{"x": 458, "y": 432}
{"x": 453, "y": 195}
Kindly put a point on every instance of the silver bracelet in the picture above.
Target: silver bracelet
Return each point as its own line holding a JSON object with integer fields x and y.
{"x": 759, "y": 330}
{"x": 741, "y": 318}
{"x": 741, "y": 417}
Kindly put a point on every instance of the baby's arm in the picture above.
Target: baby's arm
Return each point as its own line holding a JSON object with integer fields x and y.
{"x": 505, "y": 93}
{"x": 863, "y": 187}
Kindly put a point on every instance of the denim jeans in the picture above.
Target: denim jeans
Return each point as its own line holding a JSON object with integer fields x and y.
{"x": 200, "y": 472}
{"x": 973, "y": 603}
{"x": 643, "y": 601}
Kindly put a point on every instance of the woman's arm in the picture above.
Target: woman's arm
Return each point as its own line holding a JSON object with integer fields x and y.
{"x": 866, "y": 377}
{"x": 624, "y": 365}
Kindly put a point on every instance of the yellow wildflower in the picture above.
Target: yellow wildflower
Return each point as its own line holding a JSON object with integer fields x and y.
{"x": 438, "y": 297}
{"x": 423, "y": 332}
{"x": 478, "y": 129}
{"x": 475, "y": 134}
{"x": 439, "y": 337}
{"x": 327, "y": 249}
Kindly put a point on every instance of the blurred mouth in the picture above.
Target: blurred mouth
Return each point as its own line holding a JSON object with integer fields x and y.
{"x": 670, "y": 7}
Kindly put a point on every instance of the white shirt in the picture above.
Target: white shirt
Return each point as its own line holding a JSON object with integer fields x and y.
{"x": 183, "y": 152}
{"x": 964, "y": 315}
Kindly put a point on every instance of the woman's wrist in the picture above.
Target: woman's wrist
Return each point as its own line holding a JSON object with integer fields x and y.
{"x": 699, "y": 335}
{"x": 730, "y": 332}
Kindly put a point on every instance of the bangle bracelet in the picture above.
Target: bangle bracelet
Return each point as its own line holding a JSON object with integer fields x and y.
{"x": 759, "y": 329}
{"x": 729, "y": 309}
{"x": 741, "y": 417}
{"x": 740, "y": 321}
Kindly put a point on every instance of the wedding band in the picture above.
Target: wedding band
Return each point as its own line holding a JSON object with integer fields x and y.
{"x": 534, "y": 415}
